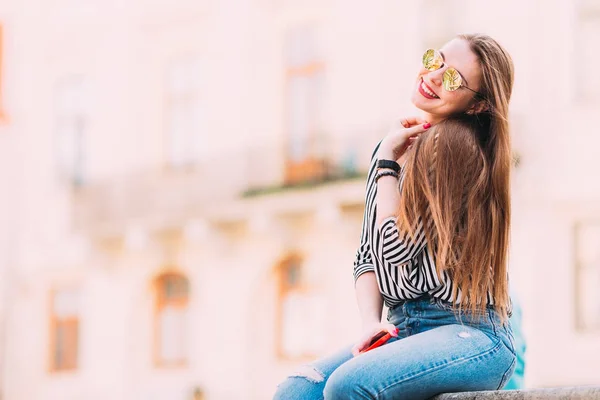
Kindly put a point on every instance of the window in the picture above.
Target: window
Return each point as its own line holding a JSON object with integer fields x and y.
{"x": 304, "y": 106}
{"x": 70, "y": 125}
{"x": 184, "y": 113}
{"x": 171, "y": 327}
{"x": 587, "y": 38}
{"x": 300, "y": 313}
{"x": 64, "y": 330}
{"x": 587, "y": 270}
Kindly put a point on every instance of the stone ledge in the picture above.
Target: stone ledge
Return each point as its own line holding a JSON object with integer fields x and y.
{"x": 570, "y": 393}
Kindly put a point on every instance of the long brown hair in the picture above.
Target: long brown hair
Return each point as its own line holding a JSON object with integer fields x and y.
{"x": 458, "y": 178}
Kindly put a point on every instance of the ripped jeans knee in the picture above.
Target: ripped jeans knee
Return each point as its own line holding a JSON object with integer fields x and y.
{"x": 305, "y": 383}
{"x": 309, "y": 372}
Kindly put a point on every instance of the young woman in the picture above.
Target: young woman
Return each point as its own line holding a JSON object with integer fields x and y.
{"x": 434, "y": 242}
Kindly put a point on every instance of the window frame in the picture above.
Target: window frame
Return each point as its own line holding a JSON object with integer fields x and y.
{"x": 174, "y": 101}
{"x": 71, "y": 322}
{"x": 77, "y": 118}
{"x": 312, "y": 166}
{"x": 160, "y": 302}
{"x": 283, "y": 290}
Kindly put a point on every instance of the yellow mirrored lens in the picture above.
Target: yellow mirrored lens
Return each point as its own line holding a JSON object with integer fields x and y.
{"x": 451, "y": 80}
{"x": 432, "y": 60}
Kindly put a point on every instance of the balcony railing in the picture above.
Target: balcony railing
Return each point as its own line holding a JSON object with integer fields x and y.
{"x": 165, "y": 196}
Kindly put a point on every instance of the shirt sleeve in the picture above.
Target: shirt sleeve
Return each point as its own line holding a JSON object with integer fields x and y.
{"x": 363, "y": 262}
{"x": 395, "y": 250}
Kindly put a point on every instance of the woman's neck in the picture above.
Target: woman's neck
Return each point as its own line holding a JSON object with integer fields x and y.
{"x": 432, "y": 118}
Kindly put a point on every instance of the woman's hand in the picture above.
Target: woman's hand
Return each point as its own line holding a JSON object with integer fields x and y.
{"x": 369, "y": 332}
{"x": 402, "y": 134}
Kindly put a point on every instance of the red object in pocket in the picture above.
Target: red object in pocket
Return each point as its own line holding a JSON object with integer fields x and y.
{"x": 378, "y": 340}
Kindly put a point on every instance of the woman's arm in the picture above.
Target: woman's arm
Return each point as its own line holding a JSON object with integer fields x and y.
{"x": 370, "y": 304}
{"x": 388, "y": 198}
{"x": 369, "y": 300}
{"x": 368, "y": 297}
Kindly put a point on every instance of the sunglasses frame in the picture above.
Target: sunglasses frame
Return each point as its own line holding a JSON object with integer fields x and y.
{"x": 436, "y": 55}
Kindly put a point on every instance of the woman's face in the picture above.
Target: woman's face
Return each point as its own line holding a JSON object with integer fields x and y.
{"x": 443, "y": 103}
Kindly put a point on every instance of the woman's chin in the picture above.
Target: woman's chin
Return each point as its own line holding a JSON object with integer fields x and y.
{"x": 421, "y": 103}
{"x": 433, "y": 107}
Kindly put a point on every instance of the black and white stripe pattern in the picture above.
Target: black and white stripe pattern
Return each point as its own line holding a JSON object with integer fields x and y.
{"x": 405, "y": 268}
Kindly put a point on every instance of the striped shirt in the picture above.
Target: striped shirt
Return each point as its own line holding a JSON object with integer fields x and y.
{"x": 405, "y": 268}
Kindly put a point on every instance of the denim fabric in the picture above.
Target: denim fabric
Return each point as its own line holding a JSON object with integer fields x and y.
{"x": 437, "y": 351}
{"x": 517, "y": 380}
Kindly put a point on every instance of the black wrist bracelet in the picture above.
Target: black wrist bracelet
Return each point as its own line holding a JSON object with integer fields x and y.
{"x": 381, "y": 174}
{"x": 393, "y": 165}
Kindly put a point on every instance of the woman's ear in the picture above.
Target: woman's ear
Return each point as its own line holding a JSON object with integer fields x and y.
{"x": 479, "y": 107}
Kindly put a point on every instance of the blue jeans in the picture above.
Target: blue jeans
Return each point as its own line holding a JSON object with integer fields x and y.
{"x": 437, "y": 351}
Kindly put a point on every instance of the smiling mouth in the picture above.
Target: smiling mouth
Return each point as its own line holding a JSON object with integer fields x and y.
{"x": 426, "y": 91}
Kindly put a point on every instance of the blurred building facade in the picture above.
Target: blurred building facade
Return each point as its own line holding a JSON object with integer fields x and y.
{"x": 184, "y": 185}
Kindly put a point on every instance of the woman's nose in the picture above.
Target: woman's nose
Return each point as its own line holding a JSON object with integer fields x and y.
{"x": 437, "y": 76}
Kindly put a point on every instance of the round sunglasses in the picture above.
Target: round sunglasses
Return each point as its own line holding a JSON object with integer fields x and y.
{"x": 452, "y": 79}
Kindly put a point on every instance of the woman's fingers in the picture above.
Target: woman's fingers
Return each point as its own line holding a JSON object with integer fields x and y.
{"x": 362, "y": 343}
{"x": 416, "y": 130}
{"x": 394, "y": 145}
{"x": 366, "y": 340}
{"x": 412, "y": 121}
{"x": 391, "y": 329}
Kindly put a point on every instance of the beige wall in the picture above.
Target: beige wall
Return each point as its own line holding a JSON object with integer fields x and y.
{"x": 107, "y": 238}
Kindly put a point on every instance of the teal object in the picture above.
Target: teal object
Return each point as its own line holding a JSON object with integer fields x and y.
{"x": 516, "y": 320}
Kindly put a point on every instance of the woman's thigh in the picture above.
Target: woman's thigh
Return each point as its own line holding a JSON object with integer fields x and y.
{"x": 308, "y": 381}
{"x": 450, "y": 358}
